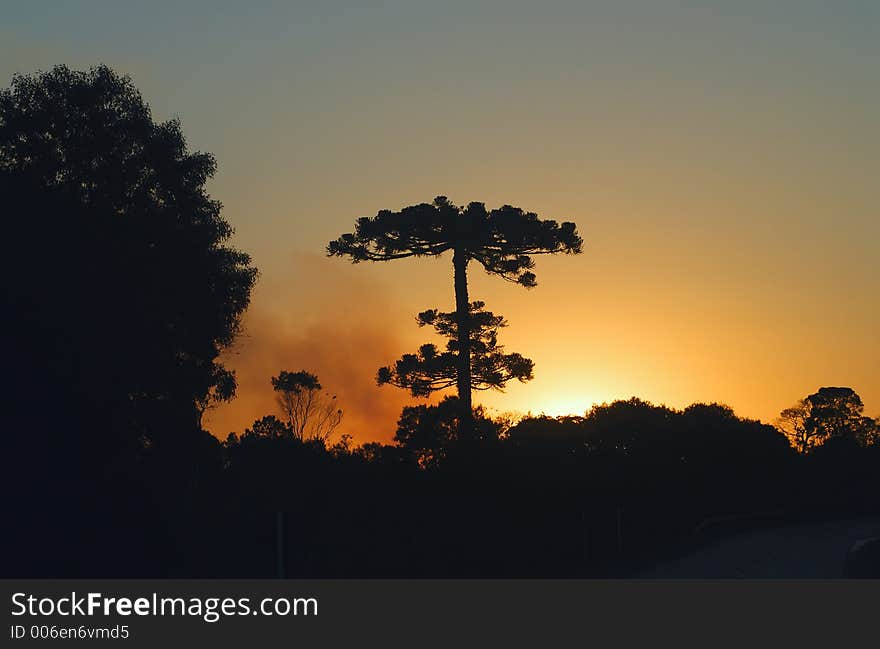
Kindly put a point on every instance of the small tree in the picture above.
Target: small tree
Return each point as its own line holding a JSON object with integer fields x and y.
{"x": 427, "y": 433}
{"x": 268, "y": 427}
{"x": 502, "y": 241}
{"x": 430, "y": 370}
{"x": 311, "y": 413}
{"x": 793, "y": 423}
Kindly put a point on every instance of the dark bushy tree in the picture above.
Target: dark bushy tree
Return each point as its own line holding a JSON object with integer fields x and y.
{"x": 503, "y": 241}
{"x": 132, "y": 243}
{"x": 829, "y": 413}
{"x": 125, "y": 292}
{"x": 428, "y": 432}
{"x": 837, "y": 413}
{"x": 268, "y": 427}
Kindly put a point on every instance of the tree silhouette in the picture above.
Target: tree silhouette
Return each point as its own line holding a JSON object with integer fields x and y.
{"x": 836, "y": 412}
{"x": 793, "y": 423}
{"x": 829, "y": 413}
{"x": 268, "y": 427}
{"x": 428, "y": 432}
{"x": 502, "y": 241}
{"x": 311, "y": 414}
{"x": 125, "y": 291}
{"x": 430, "y": 370}
{"x": 124, "y": 274}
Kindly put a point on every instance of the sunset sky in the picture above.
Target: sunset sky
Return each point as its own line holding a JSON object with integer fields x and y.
{"x": 722, "y": 163}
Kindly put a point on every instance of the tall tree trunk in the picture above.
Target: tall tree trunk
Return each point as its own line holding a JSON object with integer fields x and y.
{"x": 462, "y": 313}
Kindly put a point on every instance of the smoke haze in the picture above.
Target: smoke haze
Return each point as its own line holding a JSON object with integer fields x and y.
{"x": 327, "y": 321}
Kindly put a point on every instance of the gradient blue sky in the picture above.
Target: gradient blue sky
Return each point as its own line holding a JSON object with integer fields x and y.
{"x": 722, "y": 160}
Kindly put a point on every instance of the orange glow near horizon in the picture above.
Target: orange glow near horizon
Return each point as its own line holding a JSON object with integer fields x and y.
{"x": 562, "y": 405}
{"x": 704, "y": 347}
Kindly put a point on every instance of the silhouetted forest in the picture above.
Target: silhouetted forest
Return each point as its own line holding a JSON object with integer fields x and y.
{"x": 125, "y": 291}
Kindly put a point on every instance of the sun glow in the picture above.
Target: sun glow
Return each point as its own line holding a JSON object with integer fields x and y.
{"x": 561, "y": 405}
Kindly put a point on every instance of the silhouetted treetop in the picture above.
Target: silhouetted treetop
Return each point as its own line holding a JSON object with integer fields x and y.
{"x": 427, "y": 433}
{"x": 501, "y": 240}
{"x": 92, "y": 131}
{"x": 649, "y": 434}
{"x": 125, "y": 268}
{"x": 311, "y": 414}
{"x": 829, "y": 413}
{"x": 430, "y": 370}
{"x": 295, "y": 381}
{"x": 266, "y": 427}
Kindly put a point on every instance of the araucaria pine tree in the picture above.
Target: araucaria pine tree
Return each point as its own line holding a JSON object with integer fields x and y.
{"x": 502, "y": 241}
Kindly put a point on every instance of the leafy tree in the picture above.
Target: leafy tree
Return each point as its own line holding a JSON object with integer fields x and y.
{"x": 543, "y": 434}
{"x": 836, "y": 412}
{"x": 793, "y": 423}
{"x": 829, "y": 413}
{"x": 428, "y": 432}
{"x": 713, "y": 435}
{"x": 503, "y": 241}
{"x": 430, "y": 370}
{"x": 127, "y": 288}
{"x": 384, "y": 455}
{"x": 311, "y": 414}
{"x": 630, "y": 427}
{"x": 636, "y": 429}
{"x": 268, "y": 427}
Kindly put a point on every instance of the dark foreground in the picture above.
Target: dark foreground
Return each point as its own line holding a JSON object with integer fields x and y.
{"x": 814, "y": 550}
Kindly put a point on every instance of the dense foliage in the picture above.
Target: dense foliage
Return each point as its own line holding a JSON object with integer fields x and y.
{"x": 125, "y": 291}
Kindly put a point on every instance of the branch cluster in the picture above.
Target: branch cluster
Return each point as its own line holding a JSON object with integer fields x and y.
{"x": 430, "y": 370}
{"x": 311, "y": 414}
{"x": 501, "y": 240}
